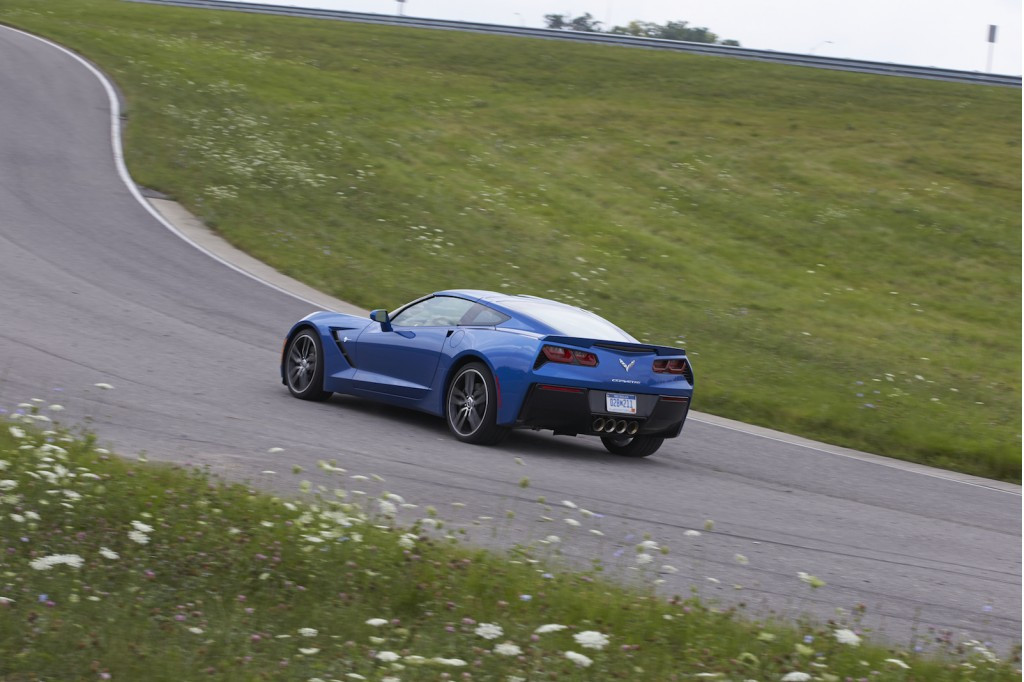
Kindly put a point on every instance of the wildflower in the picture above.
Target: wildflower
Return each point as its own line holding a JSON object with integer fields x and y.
{"x": 573, "y": 522}
{"x": 387, "y": 656}
{"x": 591, "y": 639}
{"x": 666, "y": 568}
{"x": 8, "y": 484}
{"x": 376, "y": 622}
{"x": 551, "y": 627}
{"x": 508, "y": 649}
{"x": 142, "y": 527}
{"x": 596, "y": 532}
{"x": 138, "y": 537}
{"x": 898, "y": 663}
{"x": 692, "y": 533}
{"x": 845, "y": 636}
{"x": 643, "y": 558}
{"x": 16, "y": 432}
{"x": 387, "y": 508}
{"x": 454, "y": 662}
{"x": 309, "y": 652}
{"x": 109, "y": 554}
{"x": 570, "y": 505}
{"x": 308, "y": 632}
{"x": 47, "y": 562}
{"x": 105, "y": 386}
{"x": 811, "y": 580}
{"x": 408, "y": 540}
{"x": 196, "y": 631}
{"x": 742, "y": 560}
{"x": 795, "y": 677}
{"x": 578, "y": 659}
{"x": 488, "y": 630}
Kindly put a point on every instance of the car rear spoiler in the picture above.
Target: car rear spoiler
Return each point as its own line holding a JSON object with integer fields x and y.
{"x": 616, "y": 346}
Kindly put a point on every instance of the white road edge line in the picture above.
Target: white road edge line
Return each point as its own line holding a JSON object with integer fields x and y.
{"x": 122, "y": 169}
{"x": 710, "y": 420}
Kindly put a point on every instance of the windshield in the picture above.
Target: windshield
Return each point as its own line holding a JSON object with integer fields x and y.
{"x": 568, "y": 320}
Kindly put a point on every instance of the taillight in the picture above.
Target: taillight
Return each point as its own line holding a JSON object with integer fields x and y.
{"x": 569, "y": 356}
{"x": 670, "y": 366}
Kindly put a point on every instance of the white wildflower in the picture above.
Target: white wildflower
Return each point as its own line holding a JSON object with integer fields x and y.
{"x": 845, "y": 636}
{"x": 692, "y": 533}
{"x": 454, "y": 662}
{"x": 105, "y": 386}
{"x": 16, "y": 432}
{"x": 898, "y": 663}
{"x": 309, "y": 652}
{"x": 408, "y": 540}
{"x": 489, "y": 630}
{"x": 508, "y": 649}
{"x": 387, "y": 656}
{"x": 308, "y": 632}
{"x": 109, "y": 553}
{"x": 591, "y": 639}
{"x": 795, "y": 677}
{"x": 387, "y": 508}
{"x": 47, "y": 562}
{"x": 578, "y": 659}
{"x": 376, "y": 622}
{"x": 139, "y": 537}
{"x": 550, "y": 627}
{"x": 142, "y": 527}
{"x": 643, "y": 558}
{"x": 196, "y": 631}
{"x": 742, "y": 560}
{"x": 573, "y": 522}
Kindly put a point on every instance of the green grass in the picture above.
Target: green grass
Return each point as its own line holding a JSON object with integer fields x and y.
{"x": 169, "y": 574}
{"x": 839, "y": 252}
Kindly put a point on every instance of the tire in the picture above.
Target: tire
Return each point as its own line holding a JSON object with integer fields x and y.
{"x": 304, "y": 366}
{"x": 471, "y": 406}
{"x": 637, "y": 446}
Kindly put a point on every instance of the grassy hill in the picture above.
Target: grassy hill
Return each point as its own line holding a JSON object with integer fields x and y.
{"x": 839, "y": 252}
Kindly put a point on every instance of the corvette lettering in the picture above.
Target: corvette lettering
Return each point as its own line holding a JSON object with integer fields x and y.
{"x": 626, "y": 381}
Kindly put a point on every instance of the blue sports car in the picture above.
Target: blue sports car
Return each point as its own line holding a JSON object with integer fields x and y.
{"x": 489, "y": 362}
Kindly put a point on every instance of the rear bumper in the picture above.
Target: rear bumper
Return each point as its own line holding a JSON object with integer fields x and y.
{"x": 571, "y": 410}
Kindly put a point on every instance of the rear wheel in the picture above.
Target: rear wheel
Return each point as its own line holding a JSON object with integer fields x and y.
{"x": 471, "y": 406}
{"x": 304, "y": 366}
{"x": 636, "y": 446}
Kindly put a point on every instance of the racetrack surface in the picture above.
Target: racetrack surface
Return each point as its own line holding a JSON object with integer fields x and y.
{"x": 94, "y": 288}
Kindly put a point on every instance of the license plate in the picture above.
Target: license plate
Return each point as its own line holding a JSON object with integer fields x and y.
{"x": 623, "y": 403}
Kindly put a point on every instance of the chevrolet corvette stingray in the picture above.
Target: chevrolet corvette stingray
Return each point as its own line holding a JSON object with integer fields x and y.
{"x": 488, "y": 362}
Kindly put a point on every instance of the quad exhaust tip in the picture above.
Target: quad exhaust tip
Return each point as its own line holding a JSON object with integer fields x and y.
{"x": 615, "y": 426}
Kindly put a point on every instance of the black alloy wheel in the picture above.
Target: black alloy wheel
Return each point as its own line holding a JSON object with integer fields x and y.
{"x": 304, "y": 366}
{"x": 471, "y": 406}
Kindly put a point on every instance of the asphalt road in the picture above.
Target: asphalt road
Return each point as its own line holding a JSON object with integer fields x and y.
{"x": 94, "y": 288}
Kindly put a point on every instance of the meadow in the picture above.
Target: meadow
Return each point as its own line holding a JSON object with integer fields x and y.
{"x": 119, "y": 569}
{"x": 839, "y": 253}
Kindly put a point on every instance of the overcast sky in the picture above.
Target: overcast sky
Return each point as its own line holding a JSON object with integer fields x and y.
{"x": 946, "y": 33}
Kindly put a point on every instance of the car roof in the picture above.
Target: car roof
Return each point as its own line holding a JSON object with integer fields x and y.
{"x": 500, "y": 302}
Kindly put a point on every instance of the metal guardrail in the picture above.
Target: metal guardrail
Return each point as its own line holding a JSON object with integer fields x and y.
{"x": 790, "y": 58}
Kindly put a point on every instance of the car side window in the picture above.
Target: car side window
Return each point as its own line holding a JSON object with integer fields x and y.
{"x": 482, "y": 316}
{"x": 439, "y": 311}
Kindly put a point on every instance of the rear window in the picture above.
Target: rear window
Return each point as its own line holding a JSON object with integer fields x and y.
{"x": 568, "y": 320}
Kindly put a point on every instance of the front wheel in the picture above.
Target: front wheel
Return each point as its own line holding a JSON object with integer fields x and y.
{"x": 471, "y": 406}
{"x": 304, "y": 366}
{"x": 637, "y": 446}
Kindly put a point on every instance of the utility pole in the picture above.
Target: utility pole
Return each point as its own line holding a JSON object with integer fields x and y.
{"x": 991, "y": 45}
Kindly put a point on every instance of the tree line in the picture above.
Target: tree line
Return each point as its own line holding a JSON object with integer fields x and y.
{"x": 670, "y": 30}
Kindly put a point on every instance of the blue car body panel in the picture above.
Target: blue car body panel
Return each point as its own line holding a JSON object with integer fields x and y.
{"x": 411, "y": 366}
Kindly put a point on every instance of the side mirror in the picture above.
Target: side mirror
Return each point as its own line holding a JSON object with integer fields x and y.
{"x": 381, "y": 317}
